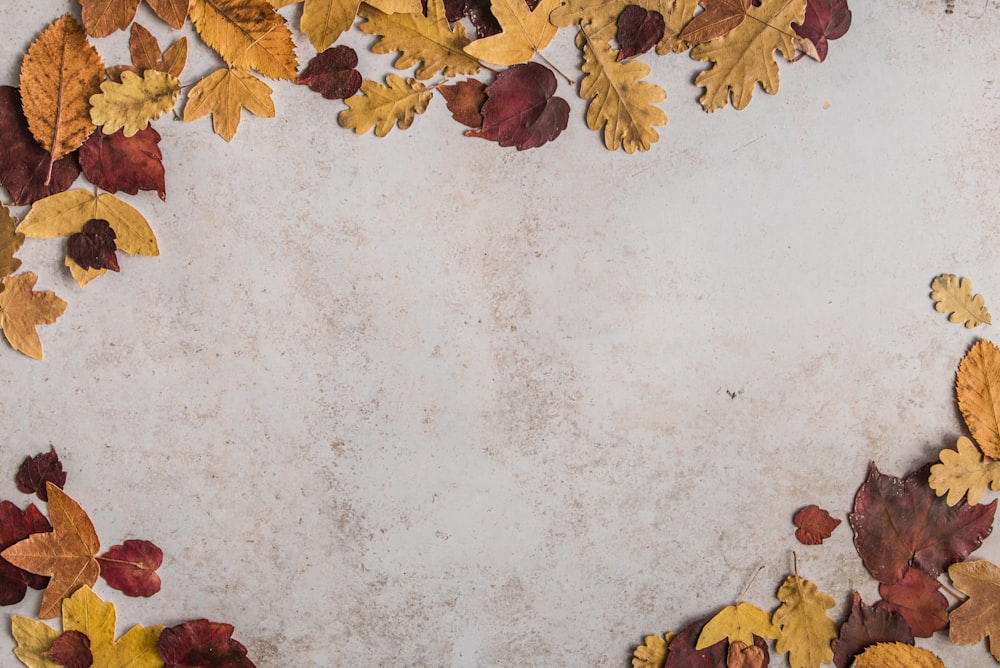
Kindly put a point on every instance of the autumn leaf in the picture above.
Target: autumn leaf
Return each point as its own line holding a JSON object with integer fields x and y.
{"x": 806, "y": 628}
{"x": 35, "y": 472}
{"x": 185, "y": 645}
{"x": 172, "y": 12}
{"x": 900, "y": 522}
{"x": 465, "y": 100}
{"x": 131, "y": 567}
{"x": 520, "y": 109}
{"x": 10, "y": 242}
{"x": 85, "y": 612}
{"x": 15, "y": 526}
{"x": 223, "y": 93}
{"x": 323, "y": 21}
{"x": 248, "y": 34}
{"x": 964, "y": 472}
{"x": 979, "y": 616}
{"x": 719, "y": 17}
{"x": 525, "y": 32}
{"x": 426, "y": 41}
{"x": 814, "y": 525}
{"x": 332, "y": 73}
{"x": 103, "y": 17}
{"x": 978, "y": 387}
{"x": 381, "y": 107}
{"x": 620, "y": 102}
{"x": 21, "y": 309}
{"x": 652, "y": 653}
{"x": 954, "y": 296}
{"x": 868, "y": 625}
{"x": 146, "y": 53}
{"x": 34, "y": 639}
{"x": 824, "y": 20}
{"x": 93, "y": 247}
{"x": 683, "y": 653}
{"x": 133, "y": 103}
{"x": 639, "y": 30}
{"x": 741, "y": 655}
{"x": 917, "y": 599}
{"x": 71, "y": 650}
{"x": 897, "y": 655}
{"x": 477, "y": 11}
{"x": 129, "y": 164}
{"x": 597, "y": 15}
{"x": 59, "y": 74}
{"x": 740, "y": 622}
{"x": 744, "y": 57}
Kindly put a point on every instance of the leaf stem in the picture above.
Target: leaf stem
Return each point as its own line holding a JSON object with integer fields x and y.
{"x": 749, "y": 584}
{"x": 570, "y": 81}
{"x": 955, "y": 594}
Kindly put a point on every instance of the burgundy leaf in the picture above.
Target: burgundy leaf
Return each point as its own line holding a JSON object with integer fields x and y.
{"x": 465, "y": 101}
{"x": 94, "y": 247}
{"x": 520, "y": 109}
{"x": 814, "y": 525}
{"x": 639, "y": 30}
{"x": 332, "y": 73}
{"x": 867, "y": 625}
{"x": 71, "y": 650}
{"x": 15, "y": 526}
{"x": 115, "y": 162}
{"x": 35, "y": 471}
{"x": 131, "y": 567}
{"x": 917, "y": 598}
{"x": 482, "y": 18}
{"x": 683, "y": 654}
{"x": 824, "y": 20}
{"x": 201, "y": 644}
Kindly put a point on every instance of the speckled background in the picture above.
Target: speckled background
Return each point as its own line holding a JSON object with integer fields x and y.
{"x": 423, "y": 401}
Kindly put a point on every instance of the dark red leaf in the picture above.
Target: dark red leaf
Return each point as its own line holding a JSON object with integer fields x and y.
{"x": 465, "y": 101}
{"x": 15, "y": 526}
{"x": 71, "y": 650}
{"x": 520, "y": 109}
{"x": 115, "y": 162}
{"x": 332, "y": 73}
{"x": 639, "y": 30}
{"x": 814, "y": 525}
{"x": 482, "y": 18}
{"x": 24, "y": 165}
{"x": 917, "y": 598}
{"x": 35, "y": 471}
{"x": 867, "y": 625}
{"x": 824, "y": 20}
{"x": 202, "y": 644}
{"x": 683, "y": 654}
{"x": 131, "y": 567}
{"x": 94, "y": 247}
{"x": 902, "y": 522}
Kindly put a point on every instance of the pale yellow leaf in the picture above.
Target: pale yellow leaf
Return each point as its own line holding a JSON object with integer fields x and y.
{"x": 224, "y": 93}
{"x": 10, "y": 242}
{"x": 896, "y": 655}
{"x": 978, "y": 616}
{"x": 134, "y": 102}
{"x": 397, "y": 6}
{"x": 737, "y": 622}
{"x": 652, "y": 653}
{"x": 21, "y": 309}
{"x": 34, "y": 638}
{"x": 323, "y": 21}
{"x": 248, "y": 34}
{"x": 525, "y": 32}
{"x": 954, "y": 296}
{"x": 382, "y": 107}
{"x": 87, "y": 613}
{"x": 964, "y": 472}
{"x": 806, "y": 628}
{"x": 598, "y": 15}
{"x": 977, "y": 385}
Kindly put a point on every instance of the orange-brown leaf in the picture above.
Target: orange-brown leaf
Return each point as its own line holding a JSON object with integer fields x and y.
{"x": 248, "y": 34}
{"x": 978, "y": 387}
{"x": 103, "y": 17}
{"x": 173, "y": 12}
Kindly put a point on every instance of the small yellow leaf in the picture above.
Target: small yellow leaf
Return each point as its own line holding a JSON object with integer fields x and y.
{"x": 10, "y": 242}
{"x": 737, "y": 622}
{"x": 896, "y": 655}
{"x": 381, "y": 107}
{"x": 954, "y": 296}
{"x": 248, "y": 34}
{"x": 224, "y": 93}
{"x": 652, "y": 653}
{"x": 87, "y": 613}
{"x": 21, "y": 309}
{"x": 323, "y": 21}
{"x": 963, "y": 472}
{"x": 977, "y": 385}
{"x": 806, "y": 628}
{"x": 525, "y": 32}
{"x": 134, "y": 102}
{"x": 34, "y": 638}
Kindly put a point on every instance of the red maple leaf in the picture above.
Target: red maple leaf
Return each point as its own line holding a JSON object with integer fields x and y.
{"x": 814, "y": 525}
{"x": 115, "y": 162}
{"x": 131, "y": 567}
{"x": 94, "y": 247}
{"x": 639, "y": 30}
{"x": 35, "y": 471}
{"x": 332, "y": 73}
{"x": 824, "y": 20}
{"x": 201, "y": 644}
{"x": 917, "y": 598}
{"x": 900, "y": 523}
{"x": 520, "y": 109}
{"x": 867, "y": 625}
{"x": 683, "y": 654}
{"x": 15, "y": 526}
{"x": 71, "y": 650}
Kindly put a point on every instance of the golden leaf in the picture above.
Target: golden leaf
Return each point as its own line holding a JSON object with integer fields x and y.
{"x": 58, "y": 75}
{"x": 223, "y": 93}
{"x": 525, "y": 32}
{"x": 602, "y": 13}
{"x": 745, "y": 56}
{"x": 397, "y": 6}
{"x": 954, "y": 296}
{"x": 806, "y": 628}
{"x": 10, "y": 242}
{"x": 248, "y": 34}
{"x": 67, "y": 554}
{"x": 964, "y": 472}
{"x": 896, "y": 655}
{"x": 429, "y": 40}
{"x": 737, "y": 622}
{"x": 175, "y": 58}
{"x": 979, "y": 616}
{"x": 34, "y": 638}
{"x": 382, "y": 107}
{"x": 21, "y": 309}
{"x": 619, "y": 101}
{"x": 103, "y": 17}
{"x": 652, "y": 653}
{"x": 87, "y": 613}
{"x": 323, "y": 21}
{"x": 978, "y": 387}
{"x": 134, "y": 102}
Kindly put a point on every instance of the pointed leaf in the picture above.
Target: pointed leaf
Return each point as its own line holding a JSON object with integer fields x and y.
{"x": 381, "y": 107}
{"x": 15, "y": 526}
{"x": 21, "y": 309}
{"x": 979, "y": 616}
{"x": 34, "y": 639}
{"x": 868, "y": 625}
{"x": 87, "y": 613}
{"x": 172, "y": 12}
{"x": 525, "y": 33}
{"x": 248, "y": 34}
{"x": 719, "y": 17}
{"x": 223, "y": 93}
{"x": 323, "y": 21}
{"x": 739, "y": 622}
{"x": 917, "y": 598}
{"x": 978, "y": 387}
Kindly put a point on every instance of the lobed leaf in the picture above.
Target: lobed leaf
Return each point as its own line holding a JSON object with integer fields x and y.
{"x": 964, "y": 472}
{"x": 22, "y": 309}
{"x": 382, "y": 107}
{"x": 223, "y": 94}
{"x": 955, "y": 297}
{"x": 130, "y": 105}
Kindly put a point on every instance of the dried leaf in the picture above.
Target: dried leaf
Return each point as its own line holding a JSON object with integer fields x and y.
{"x": 598, "y": 15}
{"x": 332, "y": 73}
{"x": 824, "y": 20}
{"x": 964, "y": 472}
{"x": 381, "y": 107}
{"x": 133, "y": 103}
{"x": 71, "y": 650}
{"x": 814, "y": 525}
{"x": 103, "y": 17}
{"x": 917, "y": 599}
{"x": 465, "y": 101}
{"x": 15, "y": 526}
{"x": 652, "y": 653}
{"x": 67, "y": 554}
{"x": 979, "y": 616}
{"x": 520, "y": 109}
{"x": 34, "y": 639}
{"x": 639, "y": 30}
{"x": 85, "y": 612}
{"x": 323, "y": 21}
{"x": 744, "y": 57}
{"x": 223, "y": 93}
{"x": 897, "y": 655}
{"x": 172, "y": 12}
{"x": 741, "y": 655}
{"x": 93, "y": 247}
{"x": 35, "y": 472}
{"x": 868, "y": 625}
{"x": 683, "y": 654}
{"x": 129, "y": 164}
{"x": 806, "y": 628}
{"x": 131, "y": 567}
{"x": 978, "y": 387}
{"x": 248, "y": 34}
{"x": 740, "y": 622}
{"x": 185, "y": 645}
{"x": 954, "y": 296}
{"x": 525, "y": 33}
{"x": 10, "y": 242}
{"x": 22, "y": 309}
{"x": 719, "y": 17}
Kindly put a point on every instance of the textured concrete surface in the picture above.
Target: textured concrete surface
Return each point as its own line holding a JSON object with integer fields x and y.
{"x": 423, "y": 401}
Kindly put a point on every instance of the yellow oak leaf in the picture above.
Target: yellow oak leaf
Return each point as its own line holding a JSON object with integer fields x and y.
{"x": 67, "y": 554}
{"x": 954, "y": 296}
{"x": 737, "y": 622}
{"x": 979, "y": 616}
{"x": 744, "y": 56}
{"x": 896, "y": 655}
{"x": 381, "y": 107}
{"x": 525, "y": 32}
{"x": 224, "y": 93}
{"x": 977, "y": 385}
{"x": 248, "y": 34}
{"x": 59, "y": 74}
{"x": 323, "y": 21}
{"x": 428, "y": 40}
{"x": 602, "y": 13}
{"x": 21, "y": 309}
{"x": 85, "y": 612}
{"x": 964, "y": 472}
{"x": 652, "y": 653}
{"x": 33, "y": 638}
{"x": 134, "y": 102}
{"x": 806, "y": 628}
{"x": 620, "y": 102}
{"x": 10, "y": 242}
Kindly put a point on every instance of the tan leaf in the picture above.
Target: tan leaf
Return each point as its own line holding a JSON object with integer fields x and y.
{"x": 173, "y": 12}
{"x": 741, "y": 655}
{"x": 146, "y": 53}
{"x": 525, "y": 32}
{"x": 652, "y": 653}
{"x": 397, "y": 6}
{"x": 175, "y": 57}
{"x": 103, "y": 17}
{"x": 719, "y": 17}
{"x": 598, "y": 15}
{"x": 896, "y": 655}
{"x": 248, "y": 34}
{"x": 21, "y": 309}
{"x": 224, "y": 93}
{"x": 34, "y": 638}
{"x": 979, "y": 616}
{"x": 737, "y": 622}
{"x": 964, "y": 472}
{"x": 954, "y": 296}
{"x": 806, "y": 628}
{"x": 323, "y": 21}
{"x": 382, "y": 107}
{"x": 134, "y": 102}
{"x": 10, "y": 242}
{"x": 978, "y": 387}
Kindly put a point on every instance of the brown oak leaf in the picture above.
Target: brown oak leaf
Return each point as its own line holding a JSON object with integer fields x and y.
{"x": 36, "y": 471}
{"x": 814, "y": 525}
{"x": 15, "y": 526}
{"x": 131, "y": 567}
{"x": 520, "y": 109}
{"x": 639, "y": 30}
{"x": 333, "y": 73}
{"x": 918, "y": 599}
{"x": 867, "y": 625}
{"x": 201, "y": 644}
{"x": 115, "y": 162}
{"x": 465, "y": 101}
{"x": 71, "y": 650}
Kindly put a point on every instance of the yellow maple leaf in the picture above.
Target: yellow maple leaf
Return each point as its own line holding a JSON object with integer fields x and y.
{"x": 806, "y": 628}
{"x": 744, "y": 57}
{"x": 964, "y": 472}
{"x": 620, "y": 102}
{"x": 134, "y": 102}
{"x": 224, "y": 93}
{"x": 381, "y": 107}
{"x": 21, "y": 309}
{"x": 248, "y": 34}
{"x": 977, "y": 385}
{"x": 59, "y": 74}
{"x": 428, "y": 40}
{"x": 737, "y": 622}
{"x": 323, "y": 21}
{"x": 525, "y": 32}
{"x": 896, "y": 655}
{"x": 978, "y": 616}
{"x": 652, "y": 653}
{"x": 33, "y": 638}
{"x": 10, "y": 242}
{"x": 599, "y": 14}
{"x": 954, "y": 296}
